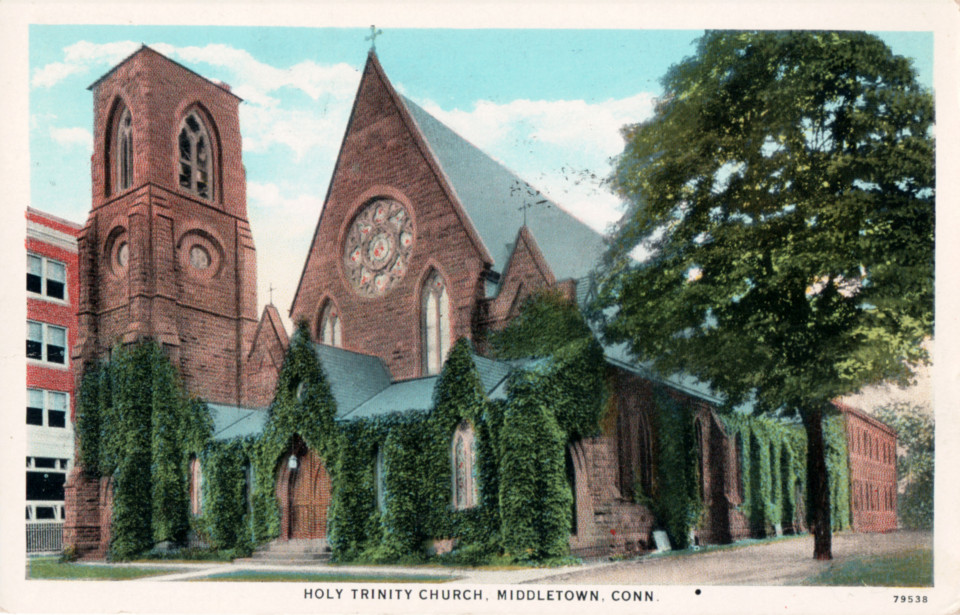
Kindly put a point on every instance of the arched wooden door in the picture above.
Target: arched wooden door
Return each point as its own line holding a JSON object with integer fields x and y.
{"x": 304, "y": 494}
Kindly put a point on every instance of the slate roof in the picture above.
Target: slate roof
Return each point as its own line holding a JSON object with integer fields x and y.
{"x": 492, "y": 196}
{"x": 236, "y": 421}
{"x": 353, "y": 377}
{"x": 417, "y": 394}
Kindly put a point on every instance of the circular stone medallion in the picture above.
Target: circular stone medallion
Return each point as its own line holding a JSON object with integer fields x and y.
{"x": 377, "y": 247}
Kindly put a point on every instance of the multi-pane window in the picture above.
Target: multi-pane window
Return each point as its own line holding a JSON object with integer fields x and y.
{"x": 435, "y": 323}
{"x": 125, "y": 151}
{"x": 464, "y": 454}
{"x": 46, "y": 343}
{"x": 45, "y": 479}
{"x": 46, "y": 408}
{"x": 330, "y": 329}
{"x": 196, "y": 159}
{"x": 46, "y": 277}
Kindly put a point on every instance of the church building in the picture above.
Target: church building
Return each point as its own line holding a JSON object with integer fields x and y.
{"x": 423, "y": 240}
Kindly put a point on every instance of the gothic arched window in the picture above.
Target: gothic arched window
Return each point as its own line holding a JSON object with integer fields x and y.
{"x": 435, "y": 323}
{"x": 196, "y": 156}
{"x": 124, "y": 156}
{"x": 329, "y": 330}
{"x": 196, "y": 487}
{"x": 466, "y": 493}
{"x": 378, "y": 481}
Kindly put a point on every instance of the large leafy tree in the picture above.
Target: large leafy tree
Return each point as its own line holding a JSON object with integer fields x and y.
{"x": 783, "y": 193}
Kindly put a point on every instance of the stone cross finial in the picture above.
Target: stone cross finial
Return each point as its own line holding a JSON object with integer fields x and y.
{"x": 374, "y": 33}
{"x": 271, "y": 289}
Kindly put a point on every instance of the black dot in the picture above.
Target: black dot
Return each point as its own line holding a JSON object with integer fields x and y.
{"x": 697, "y": 592}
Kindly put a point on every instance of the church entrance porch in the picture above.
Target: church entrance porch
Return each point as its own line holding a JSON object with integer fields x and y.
{"x": 303, "y": 492}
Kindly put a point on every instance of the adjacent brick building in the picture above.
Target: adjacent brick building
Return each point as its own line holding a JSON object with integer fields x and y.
{"x": 52, "y": 290}
{"x": 423, "y": 239}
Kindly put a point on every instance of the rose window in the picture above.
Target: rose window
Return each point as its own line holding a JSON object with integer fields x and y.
{"x": 378, "y": 246}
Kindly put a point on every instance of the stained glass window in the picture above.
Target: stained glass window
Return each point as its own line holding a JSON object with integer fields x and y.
{"x": 466, "y": 493}
{"x": 377, "y": 248}
{"x": 125, "y": 151}
{"x": 196, "y": 487}
{"x": 330, "y": 330}
{"x": 435, "y": 323}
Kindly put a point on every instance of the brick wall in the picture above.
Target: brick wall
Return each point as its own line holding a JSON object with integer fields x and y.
{"x": 63, "y": 313}
{"x": 872, "y": 449}
{"x": 382, "y": 157}
{"x": 89, "y": 503}
{"x": 262, "y": 366}
{"x": 204, "y": 317}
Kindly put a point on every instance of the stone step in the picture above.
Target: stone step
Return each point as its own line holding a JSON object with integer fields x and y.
{"x": 291, "y": 552}
{"x": 283, "y": 562}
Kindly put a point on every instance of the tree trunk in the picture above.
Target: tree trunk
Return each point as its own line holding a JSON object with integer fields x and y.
{"x": 818, "y": 487}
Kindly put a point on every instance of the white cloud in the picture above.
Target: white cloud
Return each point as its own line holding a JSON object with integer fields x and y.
{"x": 257, "y": 79}
{"x": 299, "y": 130}
{"x": 266, "y": 120}
{"x": 73, "y": 136}
{"x": 80, "y": 57}
{"x": 561, "y": 147}
{"x": 592, "y": 128}
{"x": 282, "y": 230}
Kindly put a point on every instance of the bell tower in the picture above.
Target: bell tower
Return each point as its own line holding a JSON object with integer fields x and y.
{"x": 167, "y": 252}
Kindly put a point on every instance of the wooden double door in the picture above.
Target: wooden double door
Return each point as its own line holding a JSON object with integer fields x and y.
{"x": 303, "y": 493}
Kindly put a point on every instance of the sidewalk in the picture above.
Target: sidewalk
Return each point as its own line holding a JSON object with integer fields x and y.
{"x": 781, "y": 562}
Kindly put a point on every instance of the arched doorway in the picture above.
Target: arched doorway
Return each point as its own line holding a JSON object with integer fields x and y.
{"x": 303, "y": 491}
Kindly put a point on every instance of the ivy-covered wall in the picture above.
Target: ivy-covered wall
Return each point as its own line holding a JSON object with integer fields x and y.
{"x": 773, "y": 470}
{"x": 136, "y": 424}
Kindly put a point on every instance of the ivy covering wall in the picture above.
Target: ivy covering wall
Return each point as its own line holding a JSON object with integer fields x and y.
{"x": 136, "y": 424}
{"x": 773, "y": 470}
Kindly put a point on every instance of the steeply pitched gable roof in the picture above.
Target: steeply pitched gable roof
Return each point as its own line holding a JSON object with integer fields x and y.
{"x": 493, "y": 197}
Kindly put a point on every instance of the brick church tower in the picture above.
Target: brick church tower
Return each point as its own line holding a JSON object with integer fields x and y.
{"x": 167, "y": 252}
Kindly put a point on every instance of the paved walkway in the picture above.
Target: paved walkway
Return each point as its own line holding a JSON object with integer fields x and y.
{"x": 781, "y": 562}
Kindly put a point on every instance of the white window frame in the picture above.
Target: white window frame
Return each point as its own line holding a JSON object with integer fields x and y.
{"x": 61, "y": 466}
{"x": 46, "y": 407}
{"x": 46, "y": 264}
{"x": 45, "y": 343}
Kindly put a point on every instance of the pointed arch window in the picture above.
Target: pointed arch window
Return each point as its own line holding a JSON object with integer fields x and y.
{"x": 124, "y": 156}
{"x": 196, "y": 487}
{"x": 196, "y": 156}
{"x": 378, "y": 478}
{"x": 329, "y": 329}
{"x": 435, "y": 323}
{"x": 466, "y": 493}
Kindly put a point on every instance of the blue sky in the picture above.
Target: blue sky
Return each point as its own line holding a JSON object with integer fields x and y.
{"x": 547, "y": 103}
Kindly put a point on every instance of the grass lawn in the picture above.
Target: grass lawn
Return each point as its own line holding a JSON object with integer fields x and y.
{"x": 906, "y": 569}
{"x": 323, "y": 577}
{"x": 50, "y": 568}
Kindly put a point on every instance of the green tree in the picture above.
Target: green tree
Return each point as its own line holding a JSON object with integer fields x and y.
{"x": 915, "y": 460}
{"x": 783, "y": 190}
